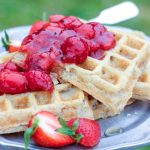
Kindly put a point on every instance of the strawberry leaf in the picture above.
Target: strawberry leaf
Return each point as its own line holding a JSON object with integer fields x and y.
{"x": 7, "y": 37}
{"x": 44, "y": 16}
{"x": 75, "y": 125}
{"x": 29, "y": 132}
{"x": 62, "y": 122}
{"x": 66, "y": 131}
{"x": 6, "y": 41}
{"x": 78, "y": 137}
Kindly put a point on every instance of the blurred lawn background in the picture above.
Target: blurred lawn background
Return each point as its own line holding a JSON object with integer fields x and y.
{"x": 25, "y": 12}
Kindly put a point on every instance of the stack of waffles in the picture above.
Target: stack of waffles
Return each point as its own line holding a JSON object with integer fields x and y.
{"x": 95, "y": 89}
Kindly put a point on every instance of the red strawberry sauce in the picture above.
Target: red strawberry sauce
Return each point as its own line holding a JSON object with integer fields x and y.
{"x": 63, "y": 39}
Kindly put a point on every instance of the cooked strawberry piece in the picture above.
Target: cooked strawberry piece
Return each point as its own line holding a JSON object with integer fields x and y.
{"x": 44, "y": 125}
{"x": 25, "y": 41}
{"x": 10, "y": 66}
{"x": 53, "y": 24}
{"x": 56, "y": 18}
{"x": 99, "y": 54}
{"x": 44, "y": 41}
{"x": 39, "y": 61}
{"x": 86, "y": 30}
{"x": 88, "y": 129}
{"x": 99, "y": 28}
{"x": 75, "y": 50}
{"x": 13, "y": 82}
{"x": 71, "y": 22}
{"x": 65, "y": 34}
{"x": 37, "y": 26}
{"x": 107, "y": 41}
{"x": 39, "y": 81}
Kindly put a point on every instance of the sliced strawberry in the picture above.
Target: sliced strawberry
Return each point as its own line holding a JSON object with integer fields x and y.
{"x": 42, "y": 127}
{"x": 37, "y": 26}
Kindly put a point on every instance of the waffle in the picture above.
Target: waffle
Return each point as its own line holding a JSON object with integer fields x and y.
{"x": 142, "y": 89}
{"x": 112, "y": 79}
{"x": 66, "y": 101}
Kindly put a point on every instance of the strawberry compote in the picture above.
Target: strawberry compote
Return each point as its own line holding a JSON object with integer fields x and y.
{"x": 66, "y": 39}
{"x": 62, "y": 39}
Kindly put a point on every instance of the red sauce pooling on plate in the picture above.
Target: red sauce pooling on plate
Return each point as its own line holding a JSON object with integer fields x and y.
{"x": 62, "y": 39}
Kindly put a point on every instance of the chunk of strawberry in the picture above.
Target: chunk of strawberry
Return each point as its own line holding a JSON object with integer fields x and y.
{"x": 56, "y": 18}
{"x": 13, "y": 82}
{"x": 86, "y": 30}
{"x": 37, "y": 26}
{"x": 39, "y": 61}
{"x": 9, "y": 66}
{"x": 71, "y": 22}
{"x": 107, "y": 41}
{"x": 39, "y": 81}
{"x": 75, "y": 50}
{"x": 99, "y": 54}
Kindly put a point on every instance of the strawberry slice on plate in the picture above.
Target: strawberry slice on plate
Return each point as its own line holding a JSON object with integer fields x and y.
{"x": 42, "y": 127}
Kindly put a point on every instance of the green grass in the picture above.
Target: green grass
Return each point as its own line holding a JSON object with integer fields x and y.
{"x": 145, "y": 148}
{"x": 24, "y": 12}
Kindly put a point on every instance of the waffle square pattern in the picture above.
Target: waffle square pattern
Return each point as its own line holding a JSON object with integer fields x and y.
{"x": 112, "y": 79}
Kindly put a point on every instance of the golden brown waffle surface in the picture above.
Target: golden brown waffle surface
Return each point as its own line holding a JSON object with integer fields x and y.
{"x": 112, "y": 79}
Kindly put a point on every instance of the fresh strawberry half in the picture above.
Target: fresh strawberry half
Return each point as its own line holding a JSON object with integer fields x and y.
{"x": 42, "y": 127}
{"x": 11, "y": 46}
